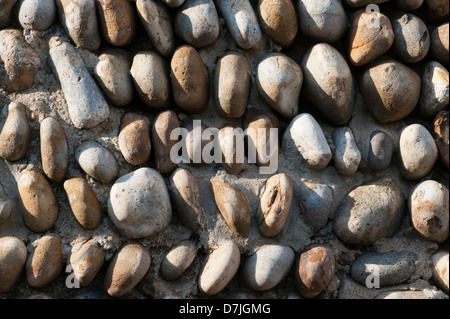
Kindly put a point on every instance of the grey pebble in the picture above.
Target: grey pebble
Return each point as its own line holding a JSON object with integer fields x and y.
{"x": 79, "y": 20}
{"x": 85, "y": 101}
{"x": 5, "y": 205}
{"x": 434, "y": 95}
{"x": 324, "y": 20}
{"x": 242, "y": 22}
{"x": 369, "y": 212}
{"x": 97, "y": 161}
{"x": 347, "y": 155}
{"x": 37, "y": 14}
{"x": 411, "y": 37}
{"x": 393, "y": 268}
{"x": 139, "y": 204}
{"x": 178, "y": 260}
{"x": 197, "y": 23}
{"x": 380, "y": 151}
{"x": 267, "y": 267}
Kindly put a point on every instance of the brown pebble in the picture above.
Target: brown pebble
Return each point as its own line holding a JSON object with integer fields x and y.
{"x": 127, "y": 268}
{"x": 40, "y": 208}
{"x": 83, "y": 202}
{"x": 86, "y": 262}
{"x": 15, "y": 135}
{"x": 54, "y": 150}
{"x": 19, "y": 62}
{"x": 278, "y": 20}
{"x": 232, "y": 204}
{"x": 163, "y": 125}
{"x": 13, "y": 254}
{"x": 439, "y": 47}
{"x": 134, "y": 138}
{"x": 315, "y": 270}
{"x": 275, "y": 204}
{"x": 190, "y": 80}
{"x": 441, "y": 135}
{"x": 117, "y": 20}
{"x": 45, "y": 262}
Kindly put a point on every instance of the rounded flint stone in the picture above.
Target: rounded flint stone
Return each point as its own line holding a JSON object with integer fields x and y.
{"x": 87, "y": 105}
{"x": 392, "y": 268}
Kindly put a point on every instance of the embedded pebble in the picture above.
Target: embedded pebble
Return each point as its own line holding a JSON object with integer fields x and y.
{"x": 86, "y": 262}
{"x": 314, "y": 270}
{"x": 408, "y": 5}
{"x": 231, "y": 86}
{"x": 439, "y": 47}
{"x": 37, "y": 14}
{"x": 79, "y": 20}
{"x": 429, "y": 210}
{"x": 232, "y": 205}
{"x": 440, "y": 269}
{"x": 241, "y": 21}
{"x": 409, "y": 294}
{"x": 393, "y": 268}
{"x": 134, "y": 138}
{"x": 151, "y": 78}
{"x": 6, "y": 7}
{"x": 117, "y": 21}
{"x": 6, "y": 205}
{"x": 418, "y": 152}
{"x": 15, "y": 135}
{"x": 196, "y": 141}
{"x": 390, "y": 90}
{"x": 163, "y": 125}
{"x": 434, "y": 95}
{"x": 328, "y": 83}
{"x": 186, "y": 196}
{"x": 279, "y": 80}
{"x": 275, "y": 204}
{"x": 347, "y": 155}
{"x": 260, "y": 127}
{"x": 267, "y": 267}
{"x": 380, "y": 151}
{"x": 54, "y": 150}
{"x": 436, "y": 10}
{"x": 173, "y": 3}
{"x": 197, "y": 23}
{"x": 139, "y": 204}
{"x": 367, "y": 43}
{"x": 83, "y": 203}
{"x": 323, "y": 20}
{"x": 87, "y": 106}
{"x": 360, "y": 3}
{"x": 45, "y": 261}
{"x": 13, "y": 255}
{"x": 178, "y": 260}
{"x": 441, "y": 136}
{"x": 219, "y": 268}
{"x": 19, "y": 62}
{"x": 97, "y": 161}
{"x": 40, "y": 207}
{"x": 316, "y": 201}
{"x": 157, "y": 22}
{"x": 190, "y": 80}
{"x": 127, "y": 268}
{"x": 278, "y": 20}
{"x": 112, "y": 73}
{"x": 306, "y": 135}
{"x": 355, "y": 222}
{"x": 411, "y": 37}
{"x": 233, "y": 153}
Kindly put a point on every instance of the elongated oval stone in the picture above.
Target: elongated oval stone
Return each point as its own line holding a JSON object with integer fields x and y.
{"x": 87, "y": 105}
{"x": 13, "y": 255}
{"x": 40, "y": 208}
{"x": 15, "y": 135}
{"x": 54, "y": 150}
